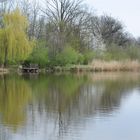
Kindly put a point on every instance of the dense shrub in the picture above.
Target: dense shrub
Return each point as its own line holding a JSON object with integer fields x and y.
{"x": 88, "y": 56}
{"x": 39, "y": 56}
{"x": 114, "y": 52}
{"x": 67, "y": 56}
{"x": 133, "y": 52}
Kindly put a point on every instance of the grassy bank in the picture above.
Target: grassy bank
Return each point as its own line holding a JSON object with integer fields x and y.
{"x": 102, "y": 66}
{"x": 95, "y": 66}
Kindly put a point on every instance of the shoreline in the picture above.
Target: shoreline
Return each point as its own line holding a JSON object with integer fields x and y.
{"x": 103, "y": 66}
{"x": 95, "y": 66}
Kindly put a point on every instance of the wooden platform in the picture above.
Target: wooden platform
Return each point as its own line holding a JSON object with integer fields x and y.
{"x": 32, "y": 68}
{"x": 3, "y": 70}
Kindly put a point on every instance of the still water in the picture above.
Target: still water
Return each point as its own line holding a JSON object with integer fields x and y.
{"x": 102, "y": 106}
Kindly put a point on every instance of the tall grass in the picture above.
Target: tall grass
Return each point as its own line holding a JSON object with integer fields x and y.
{"x": 3, "y": 70}
{"x": 125, "y": 65}
{"x": 103, "y": 66}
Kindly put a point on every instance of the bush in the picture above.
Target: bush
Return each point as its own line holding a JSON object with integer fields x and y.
{"x": 80, "y": 58}
{"x": 133, "y": 52}
{"x": 67, "y": 56}
{"x": 39, "y": 56}
{"x": 88, "y": 56}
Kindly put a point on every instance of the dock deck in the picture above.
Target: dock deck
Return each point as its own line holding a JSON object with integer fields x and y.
{"x": 30, "y": 69}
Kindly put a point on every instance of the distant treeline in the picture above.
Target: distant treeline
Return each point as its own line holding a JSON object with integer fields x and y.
{"x": 59, "y": 33}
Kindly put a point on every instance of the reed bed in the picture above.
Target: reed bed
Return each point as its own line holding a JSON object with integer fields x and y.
{"x": 103, "y": 66}
{"x": 126, "y": 65}
{"x": 3, "y": 70}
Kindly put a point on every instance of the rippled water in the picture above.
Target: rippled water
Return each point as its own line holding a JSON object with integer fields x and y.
{"x": 103, "y": 106}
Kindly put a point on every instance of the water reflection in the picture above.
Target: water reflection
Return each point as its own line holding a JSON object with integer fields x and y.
{"x": 15, "y": 94}
{"x": 59, "y": 106}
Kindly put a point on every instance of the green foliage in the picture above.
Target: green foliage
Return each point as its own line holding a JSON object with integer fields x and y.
{"x": 114, "y": 52}
{"x": 88, "y": 56}
{"x": 133, "y": 52}
{"x": 81, "y": 58}
{"x": 14, "y": 43}
{"x": 39, "y": 56}
{"x": 15, "y": 47}
{"x": 67, "y": 56}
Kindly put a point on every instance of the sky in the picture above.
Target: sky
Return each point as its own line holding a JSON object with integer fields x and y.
{"x": 127, "y": 11}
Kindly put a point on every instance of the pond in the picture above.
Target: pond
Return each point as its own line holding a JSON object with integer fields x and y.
{"x": 101, "y": 106}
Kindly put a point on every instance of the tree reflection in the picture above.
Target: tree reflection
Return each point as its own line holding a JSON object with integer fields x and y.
{"x": 115, "y": 90}
{"x": 60, "y": 100}
{"x": 68, "y": 99}
{"x": 57, "y": 95}
{"x": 14, "y": 96}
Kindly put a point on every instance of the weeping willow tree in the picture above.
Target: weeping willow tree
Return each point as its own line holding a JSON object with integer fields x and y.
{"x": 15, "y": 46}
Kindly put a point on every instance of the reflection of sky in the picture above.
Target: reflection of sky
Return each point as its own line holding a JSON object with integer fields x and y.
{"x": 122, "y": 124}
{"x": 2, "y": 1}
{"x": 128, "y": 11}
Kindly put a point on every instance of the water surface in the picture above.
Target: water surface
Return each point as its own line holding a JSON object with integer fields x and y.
{"x": 102, "y": 106}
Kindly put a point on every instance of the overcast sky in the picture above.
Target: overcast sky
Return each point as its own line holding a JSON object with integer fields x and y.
{"x": 128, "y": 11}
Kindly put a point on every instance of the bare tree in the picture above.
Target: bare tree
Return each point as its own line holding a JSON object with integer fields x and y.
{"x": 6, "y": 6}
{"x": 62, "y": 10}
{"x": 41, "y": 28}
{"x": 34, "y": 19}
{"x": 109, "y": 29}
{"x": 25, "y": 7}
{"x": 61, "y": 16}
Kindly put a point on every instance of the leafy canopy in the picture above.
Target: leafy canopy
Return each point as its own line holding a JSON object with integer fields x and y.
{"x": 14, "y": 43}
